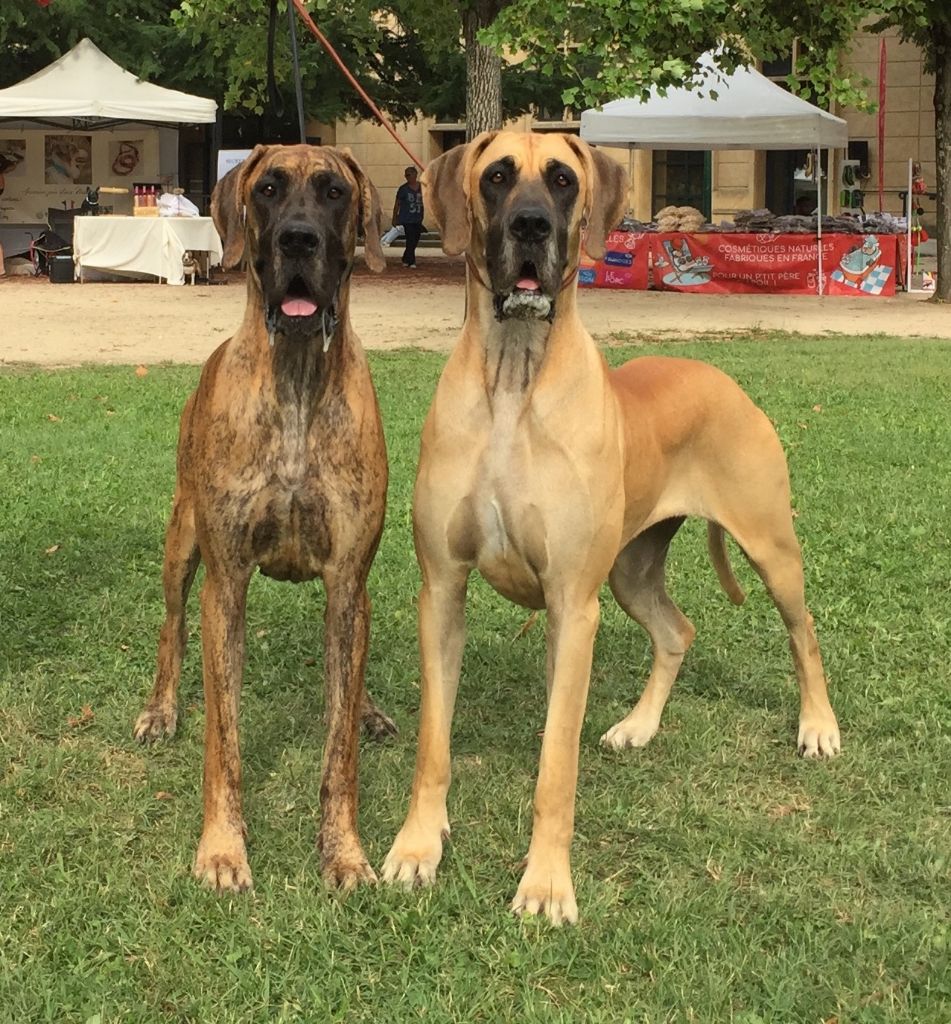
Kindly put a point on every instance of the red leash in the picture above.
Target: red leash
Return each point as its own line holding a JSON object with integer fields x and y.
{"x": 325, "y": 43}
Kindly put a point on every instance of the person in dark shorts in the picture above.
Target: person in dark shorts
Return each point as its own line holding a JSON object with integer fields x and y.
{"x": 408, "y": 211}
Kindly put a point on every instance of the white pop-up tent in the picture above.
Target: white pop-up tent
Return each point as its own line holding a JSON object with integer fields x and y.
{"x": 122, "y": 127}
{"x": 84, "y": 83}
{"x": 743, "y": 110}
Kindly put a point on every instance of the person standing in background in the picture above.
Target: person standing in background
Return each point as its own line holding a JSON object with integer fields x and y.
{"x": 408, "y": 212}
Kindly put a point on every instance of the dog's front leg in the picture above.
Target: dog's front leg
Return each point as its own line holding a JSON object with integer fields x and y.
{"x": 546, "y": 883}
{"x": 347, "y": 632}
{"x": 417, "y": 850}
{"x": 221, "y": 861}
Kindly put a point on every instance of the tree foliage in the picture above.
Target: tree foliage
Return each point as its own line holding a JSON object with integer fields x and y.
{"x": 138, "y": 34}
{"x": 612, "y": 48}
{"x": 407, "y": 54}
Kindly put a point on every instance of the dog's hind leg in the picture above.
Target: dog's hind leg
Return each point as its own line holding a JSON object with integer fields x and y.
{"x": 775, "y": 554}
{"x": 637, "y": 582}
{"x": 376, "y": 723}
{"x": 159, "y": 717}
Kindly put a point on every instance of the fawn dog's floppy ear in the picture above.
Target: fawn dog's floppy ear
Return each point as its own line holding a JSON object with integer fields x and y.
{"x": 371, "y": 214}
{"x": 446, "y": 192}
{"x": 605, "y": 195}
{"x": 227, "y": 207}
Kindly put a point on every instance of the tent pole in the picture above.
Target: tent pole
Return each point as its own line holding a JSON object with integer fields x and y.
{"x": 819, "y": 217}
{"x": 298, "y": 88}
{"x": 908, "y": 230}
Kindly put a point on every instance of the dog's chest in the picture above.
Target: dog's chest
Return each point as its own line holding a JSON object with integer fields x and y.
{"x": 289, "y": 533}
{"x": 289, "y": 512}
{"x": 500, "y": 520}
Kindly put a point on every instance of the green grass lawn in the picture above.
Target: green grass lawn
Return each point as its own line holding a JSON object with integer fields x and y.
{"x": 719, "y": 878}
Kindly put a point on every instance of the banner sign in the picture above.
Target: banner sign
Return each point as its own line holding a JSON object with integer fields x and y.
{"x": 230, "y": 158}
{"x": 864, "y": 264}
{"x": 40, "y": 170}
{"x": 750, "y": 263}
{"x": 624, "y": 264}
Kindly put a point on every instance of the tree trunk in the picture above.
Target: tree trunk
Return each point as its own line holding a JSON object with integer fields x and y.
{"x": 483, "y": 71}
{"x": 942, "y": 131}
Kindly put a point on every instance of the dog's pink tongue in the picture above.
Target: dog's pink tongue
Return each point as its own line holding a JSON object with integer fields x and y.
{"x": 528, "y": 284}
{"x": 298, "y": 307}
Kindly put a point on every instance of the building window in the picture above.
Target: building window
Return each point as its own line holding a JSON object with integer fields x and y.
{"x": 561, "y": 127}
{"x": 442, "y": 138}
{"x": 681, "y": 178}
{"x": 783, "y": 66}
{"x": 789, "y": 188}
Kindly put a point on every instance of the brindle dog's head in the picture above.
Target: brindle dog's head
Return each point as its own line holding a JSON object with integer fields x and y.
{"x": 294, "y": 211}
{"x": 522, "y": 205}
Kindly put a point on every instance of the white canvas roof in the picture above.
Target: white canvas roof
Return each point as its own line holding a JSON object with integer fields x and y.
{"x": 750, "y": 112}
{"x": 85, "y": 83}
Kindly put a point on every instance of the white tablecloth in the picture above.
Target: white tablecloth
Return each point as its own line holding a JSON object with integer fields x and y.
{"x": 144, "y": 245}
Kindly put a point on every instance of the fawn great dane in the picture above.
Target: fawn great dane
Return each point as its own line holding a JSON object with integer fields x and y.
{"x": 281, "y": 466}
{"x": 550, "y": 473}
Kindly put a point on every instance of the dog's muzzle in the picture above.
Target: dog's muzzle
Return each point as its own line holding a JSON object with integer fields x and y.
{"x": 297, "y": 309}
{"x": 528, "y": 252}
{"x": 526, "y": 300}
{"x": 299, "y": 315}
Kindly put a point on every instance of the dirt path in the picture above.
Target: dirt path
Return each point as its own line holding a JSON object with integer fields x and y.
{"x": 147, "y": 323}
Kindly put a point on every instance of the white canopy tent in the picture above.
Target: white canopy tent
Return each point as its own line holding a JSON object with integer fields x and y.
{"x": 84, "y": 83}
{"x": 85, "y": 92}
{"x": 747, "y": 112}
{"x": 743, "y": 110}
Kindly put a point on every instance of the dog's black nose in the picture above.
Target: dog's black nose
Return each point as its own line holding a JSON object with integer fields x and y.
{"x": 298, "y": 239}
{"x": 531, "y": 224}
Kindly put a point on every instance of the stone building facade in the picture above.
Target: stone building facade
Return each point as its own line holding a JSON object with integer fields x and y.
{"x": 721, "y": 182}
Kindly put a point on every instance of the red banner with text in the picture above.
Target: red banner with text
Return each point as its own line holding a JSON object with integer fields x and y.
{"x": 624, "y": 264}
{"x": 744, "y": 263}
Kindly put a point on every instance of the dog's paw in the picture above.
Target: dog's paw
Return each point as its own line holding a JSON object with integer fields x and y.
{"x": 154, "y": 723}
{"x": 221, "y": 862}
{"x": 633, "y": 731}
{"x": 343, "y": 863}
{"x": 819, "y": 736}
{"x": 414, "y": 857}
{"x": 377, "y": 725}
{"x": 347, "y": 873}
{"x": 549, "y": 891}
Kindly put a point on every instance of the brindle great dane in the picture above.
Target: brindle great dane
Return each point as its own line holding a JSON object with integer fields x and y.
{"x": 281, "y": 465}
{"x": 550, "y": 473}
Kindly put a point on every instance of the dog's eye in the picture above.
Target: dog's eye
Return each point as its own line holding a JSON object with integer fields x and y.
{"x": 334, "y": 193}
{"x": 267, "y": 191}
{"x": 496, "y": 177}
{"x": 562, "y": 180}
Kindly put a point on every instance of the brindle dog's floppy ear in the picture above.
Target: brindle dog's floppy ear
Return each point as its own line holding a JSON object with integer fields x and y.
{"x": 227, "y": 208}
{"x": 605, "y": 195}
{"x": 371, "y": 214}
{"x": 445, "y": 192}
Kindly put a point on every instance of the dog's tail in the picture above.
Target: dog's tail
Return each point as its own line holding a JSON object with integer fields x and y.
{"x": 716, "y": 544}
